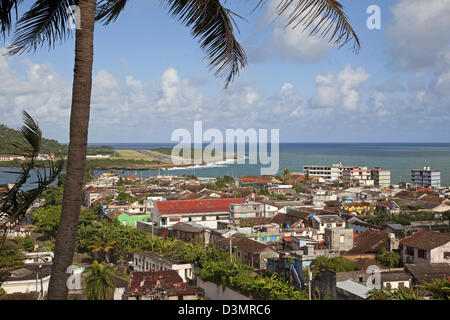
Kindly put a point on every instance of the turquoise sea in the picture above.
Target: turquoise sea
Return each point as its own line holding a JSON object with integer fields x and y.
{"x": 400, "y": 158}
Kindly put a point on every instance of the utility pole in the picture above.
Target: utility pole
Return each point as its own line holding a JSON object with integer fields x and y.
{"x": 309, "y": 282}
{"x": 231, "y": 251}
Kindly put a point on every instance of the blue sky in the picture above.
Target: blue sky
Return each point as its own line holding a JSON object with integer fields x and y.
{"x": 150, "y": 78}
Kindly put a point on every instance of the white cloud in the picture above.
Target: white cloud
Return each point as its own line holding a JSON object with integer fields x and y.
{"x": 420, "y": 34}
{"x": 288, "y": 43}
{"x": 336, "y": 91}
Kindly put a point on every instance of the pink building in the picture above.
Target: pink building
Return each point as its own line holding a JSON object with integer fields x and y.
{"x": 426, "y": 246}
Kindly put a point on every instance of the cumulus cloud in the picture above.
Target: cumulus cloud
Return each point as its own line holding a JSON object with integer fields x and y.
{"x": 339, "y": 91}
{"x": 419, "y": 33}
{"x": 288, "y": 43}
{"x": 39, "y": 91}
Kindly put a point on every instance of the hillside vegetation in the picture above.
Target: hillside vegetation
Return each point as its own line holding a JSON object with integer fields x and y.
{"x": 10, "y": 136}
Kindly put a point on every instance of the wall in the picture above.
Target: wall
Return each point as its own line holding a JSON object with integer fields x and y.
{"x": 437, "y": 254}
{"x": 216, "y": 292}
{"x": 26, "y": 285}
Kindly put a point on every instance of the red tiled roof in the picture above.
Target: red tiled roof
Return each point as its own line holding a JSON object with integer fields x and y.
{"x": 144, "y": 282}
{"x": 432, "y": 198}
{"x": 245, "y": 244}
{"x": 196, "y": 206}
{"x": 193, "y": 196}
{"x": 279, "y": 219}
{"x": 97, "y": 201}
{"x": 256, "y": 179}
{"x": 370, "y": 241}
{"x": 426, "y": 240}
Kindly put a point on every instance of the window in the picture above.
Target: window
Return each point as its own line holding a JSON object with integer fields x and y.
{"x": 410, "y": 251}
{"x": 422, "y": 254}
{"x": 190, "y": 219}
{"x": 388, "y": 285}
{"x": 401, "y": 284}
{"x": 203, "y": 218}
{"x": 446, "y": 255}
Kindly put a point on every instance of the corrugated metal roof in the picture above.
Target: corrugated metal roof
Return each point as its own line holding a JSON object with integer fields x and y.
{"x": 355, "y": 288}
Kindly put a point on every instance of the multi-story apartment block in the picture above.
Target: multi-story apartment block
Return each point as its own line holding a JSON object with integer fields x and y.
{"x": 361, "y": 176}
{"x": 380, "y": 177}
{"x": 426, "y": 177}
{"x": 332, "y": 172}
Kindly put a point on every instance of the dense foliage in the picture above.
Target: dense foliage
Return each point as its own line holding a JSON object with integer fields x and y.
{"x": 11, "y": 256}
{"x": 27, "y": 244}
{"x": 114, "y": 242}
{"x": 400, "y": 293}
{"x": 439, "y": 289}
{"x": 12, "y": 136}
{"x": 388, "y": 259}
{"x": 126, "y": 197}
{"x": 401, "y": 218}
{"x": 336, "y": 264}
{"x": 99, "y": 284}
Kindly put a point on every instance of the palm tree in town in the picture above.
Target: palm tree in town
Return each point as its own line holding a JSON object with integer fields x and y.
{"x": 101, "y": 246}
{"x": 286, "y": 175}
{"x": 46, "y": 22}
{"x": 99, "y": 284}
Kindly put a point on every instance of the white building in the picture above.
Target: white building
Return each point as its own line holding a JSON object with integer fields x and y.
{"x": 143, "y": 261}
{"x": 333, "y": 172}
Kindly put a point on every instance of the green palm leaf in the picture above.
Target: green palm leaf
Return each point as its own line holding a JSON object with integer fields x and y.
{"x": 45, "y": 23}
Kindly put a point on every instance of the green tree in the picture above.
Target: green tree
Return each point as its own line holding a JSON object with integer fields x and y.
{"x": 400, "y": 293}
{"x": 286, "y": 175}
{"x": 87, "y": 216}
{"x": 27, "y": 244}
{"x": 335, "y": 264}
{"x": 101, "y": 244}
{"x": 388, "y": 259}
{"x": 439, "y": 288}
{"x": 53, "y": 195}
{"x": 126, "y": 197}
{"x": 11, "y": 256}
{"x": 99, "y": 284}
{"x": 47, "y": 219}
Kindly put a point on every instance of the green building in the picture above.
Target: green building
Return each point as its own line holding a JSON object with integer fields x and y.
{"x": 130, "y": 220}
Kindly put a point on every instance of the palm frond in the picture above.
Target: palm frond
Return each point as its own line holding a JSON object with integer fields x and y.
{"x": 31, "y": 138}
{"x": 324, "y": 17}
{"x": 7, "y": 7}
{"x": 109, "y": 10}
{"x": 45, "y": 23}
{"x": 14, "y": 205}
{"x": 212, "y": 24}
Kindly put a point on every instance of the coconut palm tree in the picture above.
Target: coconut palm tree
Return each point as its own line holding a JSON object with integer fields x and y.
{"x": 99, "y": 284}
{"x": 286, "y": 175}
{"x": 213, "y": 24}
{"x": 16, "y": 202}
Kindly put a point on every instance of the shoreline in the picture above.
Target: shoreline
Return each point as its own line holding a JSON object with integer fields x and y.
{"x": 142, "y": 167}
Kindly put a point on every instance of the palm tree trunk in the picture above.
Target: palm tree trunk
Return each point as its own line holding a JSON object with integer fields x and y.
{"x": 76, "y": 162}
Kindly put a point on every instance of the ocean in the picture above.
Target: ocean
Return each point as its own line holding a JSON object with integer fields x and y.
{"x": 400, "y": 158}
